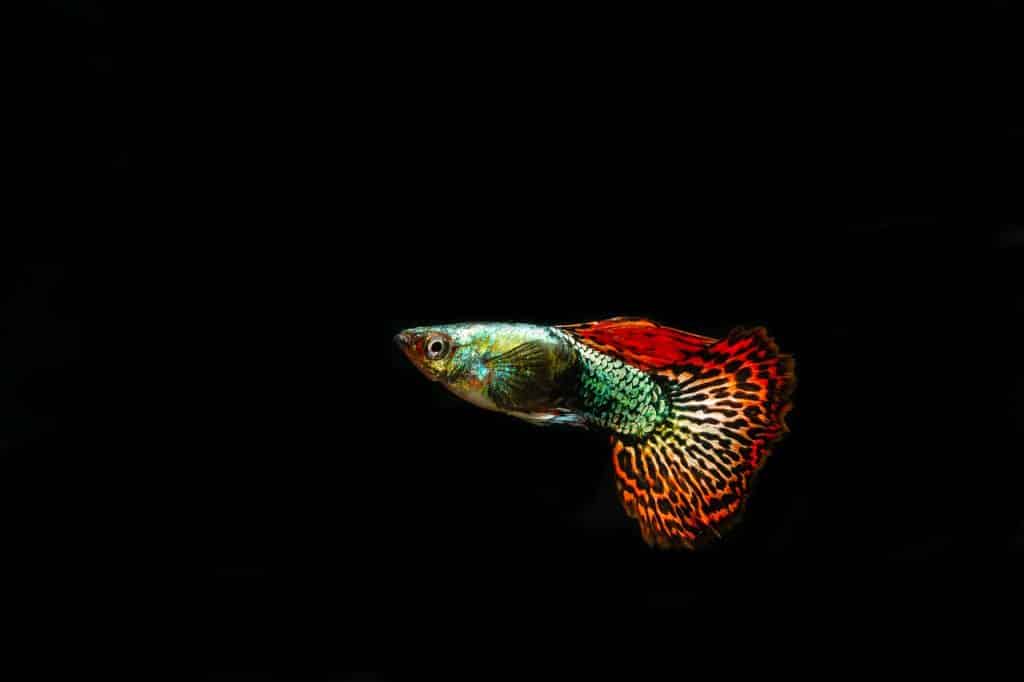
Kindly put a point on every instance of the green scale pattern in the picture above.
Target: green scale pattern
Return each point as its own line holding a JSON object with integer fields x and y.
{"x": 617, "y": 396}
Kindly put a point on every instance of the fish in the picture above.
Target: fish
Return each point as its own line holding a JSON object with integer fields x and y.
{"x": 691, "y": 418}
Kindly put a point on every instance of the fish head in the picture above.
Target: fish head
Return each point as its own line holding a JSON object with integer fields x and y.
{"x": 496, "y": 366}
{"x": 429, "y": 349}
{"x": 453, "y": 355}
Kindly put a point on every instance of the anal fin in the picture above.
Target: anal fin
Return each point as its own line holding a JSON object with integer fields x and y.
{"x": 558, "y": 416}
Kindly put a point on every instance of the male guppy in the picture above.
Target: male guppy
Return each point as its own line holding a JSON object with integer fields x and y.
{"x": 691, "y": 418}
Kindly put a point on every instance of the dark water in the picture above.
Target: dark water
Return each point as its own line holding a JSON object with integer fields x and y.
{"x": 294, "y": 501}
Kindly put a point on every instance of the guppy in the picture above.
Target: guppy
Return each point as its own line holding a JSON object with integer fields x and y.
{"x": 691, "y": 418}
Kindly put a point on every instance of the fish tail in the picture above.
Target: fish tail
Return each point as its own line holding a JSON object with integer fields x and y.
{"x": 688, "y": 479}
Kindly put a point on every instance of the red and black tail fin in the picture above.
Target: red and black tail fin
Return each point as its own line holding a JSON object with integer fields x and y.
{"x": 687, "y": 480}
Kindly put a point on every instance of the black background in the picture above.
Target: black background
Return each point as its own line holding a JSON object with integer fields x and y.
{"x": 325, "y": 513}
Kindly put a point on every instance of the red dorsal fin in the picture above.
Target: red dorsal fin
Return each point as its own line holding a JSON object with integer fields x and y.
{"x": 640, "y": 342}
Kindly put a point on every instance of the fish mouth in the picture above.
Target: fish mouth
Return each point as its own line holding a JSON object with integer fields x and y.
{"x": 403, "y": 340}
{"x": 405, "y": 343}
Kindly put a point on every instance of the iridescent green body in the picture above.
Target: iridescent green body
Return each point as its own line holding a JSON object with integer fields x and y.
{"x": 540, "y": 374}
{"x": 616, "y": 396}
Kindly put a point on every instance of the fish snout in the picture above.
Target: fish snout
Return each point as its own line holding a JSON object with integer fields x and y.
{"x": 403, "y": 340}
{"x": 408, "y": 342}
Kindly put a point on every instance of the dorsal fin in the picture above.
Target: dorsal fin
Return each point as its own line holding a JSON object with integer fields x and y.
{"x": 640, "y": 342}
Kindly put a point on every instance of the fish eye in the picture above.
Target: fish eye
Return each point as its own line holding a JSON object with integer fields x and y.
{"x": 437, "y": 347}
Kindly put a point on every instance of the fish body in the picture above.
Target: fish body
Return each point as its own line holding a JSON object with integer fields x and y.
{"x": 691, "y": 418}
{"x": 540, "y": 374}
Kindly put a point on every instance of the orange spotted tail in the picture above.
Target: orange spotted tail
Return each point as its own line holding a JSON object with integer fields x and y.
{"x": 687, "y": 480}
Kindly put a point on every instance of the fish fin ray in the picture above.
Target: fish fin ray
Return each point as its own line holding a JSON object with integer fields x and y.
{"x": 520, "y": 372}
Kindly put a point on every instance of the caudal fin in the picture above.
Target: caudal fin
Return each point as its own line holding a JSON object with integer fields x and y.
{"x": 687, "y": 481}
